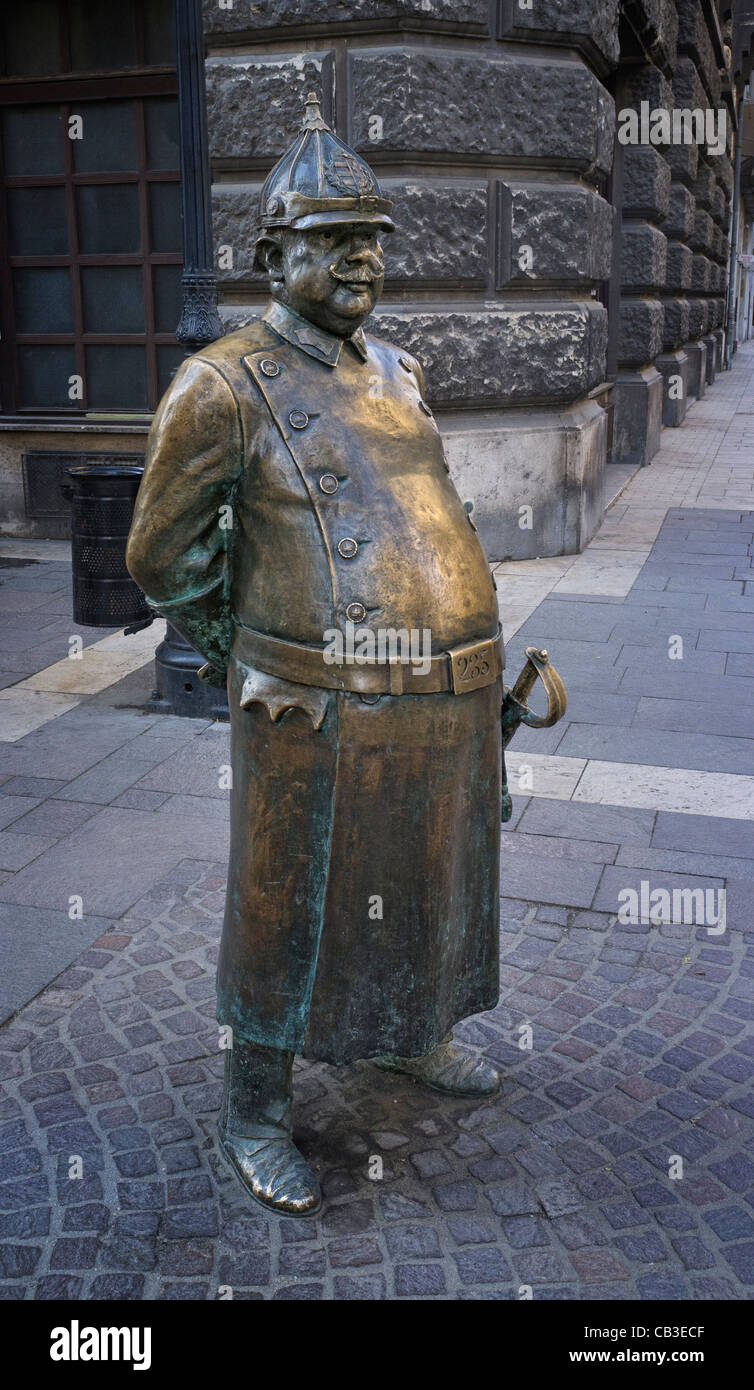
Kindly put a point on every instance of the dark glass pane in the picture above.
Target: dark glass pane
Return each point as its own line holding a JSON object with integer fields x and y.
{"x": 113, "y": 299}
{"x": 165, "y": 221}
{"x": 168, "y": 361}
{"x": 33, "y": 140}
{"x": 108, "y": 218}
{"x": 44, "y": 375}
{"x": 166, "y": 280}
{"x": 116, "y": 378}
{"x": 108, "y": 143}
{"x": 37, "y": 222}
{"x": 161, "y": 121}
{"x": 103, "y": 36}
{"x": 159, "y": 37}
{"x": 32, "y": 39}
{"x": 42, "y": 300}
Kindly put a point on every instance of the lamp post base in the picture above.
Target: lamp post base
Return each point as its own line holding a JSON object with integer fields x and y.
{"x": 178, "y": 689}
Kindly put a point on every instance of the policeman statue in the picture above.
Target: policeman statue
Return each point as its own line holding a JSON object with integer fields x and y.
{"x": 297, "y": 524}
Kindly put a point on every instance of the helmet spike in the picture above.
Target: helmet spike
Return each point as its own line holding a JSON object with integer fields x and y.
{"x": 312, "y": 114}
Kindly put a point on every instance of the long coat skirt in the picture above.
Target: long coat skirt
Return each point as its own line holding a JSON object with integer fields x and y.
{"x": 362, "y": 910}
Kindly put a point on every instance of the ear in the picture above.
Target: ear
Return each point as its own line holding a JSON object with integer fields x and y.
{"x": 269, "y": 256}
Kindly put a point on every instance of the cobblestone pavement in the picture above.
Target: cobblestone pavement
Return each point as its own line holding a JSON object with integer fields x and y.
{"x": 617, "y": 1162}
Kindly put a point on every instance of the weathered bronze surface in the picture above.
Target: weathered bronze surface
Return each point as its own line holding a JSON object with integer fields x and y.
{"x": 295, "y": 489}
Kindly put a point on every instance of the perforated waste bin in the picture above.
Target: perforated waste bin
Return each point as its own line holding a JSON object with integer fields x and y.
{"x": 102, "y": 500}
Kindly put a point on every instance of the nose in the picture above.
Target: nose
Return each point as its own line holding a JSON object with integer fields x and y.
{"x": 359, "y": 253}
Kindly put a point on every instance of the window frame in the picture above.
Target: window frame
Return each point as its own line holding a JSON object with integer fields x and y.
{"x": 66, "y": 92}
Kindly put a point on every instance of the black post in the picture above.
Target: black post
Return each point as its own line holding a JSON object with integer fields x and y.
{"x": 179, "y": 690}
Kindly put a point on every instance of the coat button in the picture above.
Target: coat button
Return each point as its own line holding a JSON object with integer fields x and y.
{"x": 423, "y": 406}
{"x": 269, "y": 366}
{"x": 328, "y": 483}
{"x": 347, "y": 547}
{"x": 356, "y": 612}
{"x": 298, "y": 419}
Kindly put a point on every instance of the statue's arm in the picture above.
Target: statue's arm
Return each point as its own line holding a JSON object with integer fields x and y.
{"x": 177, "y": 548}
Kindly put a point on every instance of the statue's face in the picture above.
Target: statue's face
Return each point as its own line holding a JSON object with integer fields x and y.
{"x": 332, "y": 276}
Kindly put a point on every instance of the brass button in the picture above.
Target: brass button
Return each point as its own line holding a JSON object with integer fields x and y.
{"x": 356, "y": 612}
{"x": 404, "y": 362}
{"x": 328, "y": 483}
{"x": 298, "y": 419}
{"x": 269, "y": 367}
{"x": 423, "y": 406}
{"x": 347, "y": 547}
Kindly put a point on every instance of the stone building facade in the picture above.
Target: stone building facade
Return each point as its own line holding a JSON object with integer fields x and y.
{"x": 564, "y": 290}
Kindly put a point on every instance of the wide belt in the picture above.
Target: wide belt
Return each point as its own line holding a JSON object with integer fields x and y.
{"x": 459, "y": 670}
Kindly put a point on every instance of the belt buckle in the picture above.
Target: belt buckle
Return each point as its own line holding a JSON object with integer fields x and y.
{"x": 473, "y": 665}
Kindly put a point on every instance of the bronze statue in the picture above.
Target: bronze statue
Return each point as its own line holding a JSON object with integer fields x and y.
{"x": 297, "y": 523}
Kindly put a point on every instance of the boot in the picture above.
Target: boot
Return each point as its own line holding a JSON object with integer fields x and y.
{"x": 255, "y": 1130}
{"x": 450, "y": 1068}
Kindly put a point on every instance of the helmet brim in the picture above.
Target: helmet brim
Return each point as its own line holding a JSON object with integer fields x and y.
{"x": 313, "y": 220}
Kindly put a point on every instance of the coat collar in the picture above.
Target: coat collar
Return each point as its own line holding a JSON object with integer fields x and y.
{"x": 325, "y": 347}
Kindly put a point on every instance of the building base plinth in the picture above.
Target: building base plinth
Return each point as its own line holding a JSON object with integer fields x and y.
{"x": 536, "y": 477}
{"x": 674, "y": 370}
{"x": 637, "y": 419}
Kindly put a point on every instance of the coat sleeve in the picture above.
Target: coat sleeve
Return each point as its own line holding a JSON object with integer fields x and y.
{"x": 177, "y": 548}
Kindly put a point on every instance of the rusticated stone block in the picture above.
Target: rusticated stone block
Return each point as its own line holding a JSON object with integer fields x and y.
{"x": 679, "y": 222}
{"x": 581, "y": 23}
{"x": 551, "y": 233}
{"x": 640, "y": 331}
{"x": 505, "y": 356}
{"x": 643, "y": 256}
{"x": 440, "y": 236}
{"x": 718, "y": 204}
{"x": 440, "y": 232}
{"x": 644, "y": 83}
{"x": 694, "y": 39}
{"x": 234, "y": 232}
{"x": 724, "y": 172}
{"x": 704, "y": 186}
{"x": 700, "y": 273}
{"x": 688, "y": 92}
{"x": 657, "y": 22}
{"x": 646, "y": 182}
{"x": 676, "y": 326}
{"x": 719, "y": 245}
{"x": 683, "y": 161}
{"x": 701, "y": 236}
{"x": 423, "y": 103}
{"x": 254, "y": 106}
{"x": 678, "y": 266}
{"x": 281, "y": 14}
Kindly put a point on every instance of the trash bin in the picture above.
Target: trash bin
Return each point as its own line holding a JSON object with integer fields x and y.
{"x": 102, "y": 500}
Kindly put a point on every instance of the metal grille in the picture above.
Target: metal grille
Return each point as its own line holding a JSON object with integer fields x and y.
{"x": 45, "y": 472}
{"x": 109, "y": 603}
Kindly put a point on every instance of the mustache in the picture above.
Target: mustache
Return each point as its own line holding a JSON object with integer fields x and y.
{"x": 359, "y": 274}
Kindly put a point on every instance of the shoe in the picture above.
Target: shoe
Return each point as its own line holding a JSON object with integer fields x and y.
{"x": 256, "y": 1133}
{"x": 275, "y": 1174}
{"x": 450, "y": 1068}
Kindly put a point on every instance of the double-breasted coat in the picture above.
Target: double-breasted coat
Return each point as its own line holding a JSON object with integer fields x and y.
{"x": 295, "y": 483}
